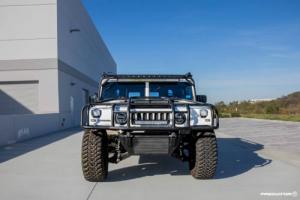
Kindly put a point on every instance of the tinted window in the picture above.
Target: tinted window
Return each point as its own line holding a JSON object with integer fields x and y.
{"x": 172, "y": 89}
{"x": 116, "y": 90}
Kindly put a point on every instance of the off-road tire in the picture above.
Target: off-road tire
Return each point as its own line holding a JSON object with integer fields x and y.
{"x": 203, "y": 161}
{"x": 94, "y": 156}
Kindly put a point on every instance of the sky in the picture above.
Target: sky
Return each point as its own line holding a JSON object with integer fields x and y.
{"x": 236, "y": 50}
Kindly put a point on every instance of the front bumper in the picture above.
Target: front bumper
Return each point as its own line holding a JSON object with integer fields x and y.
{"x": 128, "y": 127}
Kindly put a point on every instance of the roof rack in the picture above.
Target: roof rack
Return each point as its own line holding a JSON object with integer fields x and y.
{"x": 150, "y": 76}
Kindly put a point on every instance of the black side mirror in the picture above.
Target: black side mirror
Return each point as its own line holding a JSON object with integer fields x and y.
{"x": 201, "y": 98}
{"x": 93, "y": 98}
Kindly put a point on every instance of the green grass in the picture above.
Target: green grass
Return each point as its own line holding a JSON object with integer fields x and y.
{"x": 294, "y": 118}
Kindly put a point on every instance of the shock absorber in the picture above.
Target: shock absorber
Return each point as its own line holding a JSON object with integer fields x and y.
{"x": 118, "y": 151}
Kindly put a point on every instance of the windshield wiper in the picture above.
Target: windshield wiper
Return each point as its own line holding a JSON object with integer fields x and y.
{"x": 115, "y": 98}
{"x": 178, "y": 98}
{"x": 107, "y": 99}
{"x": 175, "y": 98}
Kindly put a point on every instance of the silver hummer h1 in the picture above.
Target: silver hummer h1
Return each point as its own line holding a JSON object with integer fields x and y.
{"x": 148, "y": 114}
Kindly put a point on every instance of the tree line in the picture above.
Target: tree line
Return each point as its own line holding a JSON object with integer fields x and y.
{"x": 286, "y": 105}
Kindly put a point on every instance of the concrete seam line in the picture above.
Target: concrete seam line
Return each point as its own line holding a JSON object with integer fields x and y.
{"x": 90, "y": 194}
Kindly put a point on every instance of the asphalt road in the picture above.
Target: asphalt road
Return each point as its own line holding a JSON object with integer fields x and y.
{"x": 49, "y": 168}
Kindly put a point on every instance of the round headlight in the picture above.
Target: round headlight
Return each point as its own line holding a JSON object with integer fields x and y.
{"x": 96, "y": 113}
{"x": 179, "y": 118}
{"x": 121, "y": 118}
{"x": 203, "y": 113}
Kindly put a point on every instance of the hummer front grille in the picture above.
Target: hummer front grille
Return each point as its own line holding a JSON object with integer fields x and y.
{"x": 151, "y": 117}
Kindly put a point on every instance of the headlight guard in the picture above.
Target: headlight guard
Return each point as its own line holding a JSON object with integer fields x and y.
{"x": 201, "y": 116}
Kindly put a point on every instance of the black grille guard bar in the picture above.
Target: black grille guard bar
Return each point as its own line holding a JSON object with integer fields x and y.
{"x": 85, "y": 118}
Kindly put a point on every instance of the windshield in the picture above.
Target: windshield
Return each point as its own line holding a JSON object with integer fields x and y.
{"x": 119, "y": 90}
{"x": 180, "y": 90}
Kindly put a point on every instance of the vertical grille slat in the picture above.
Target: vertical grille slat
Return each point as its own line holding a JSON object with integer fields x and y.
{"x": 152, "y": 116}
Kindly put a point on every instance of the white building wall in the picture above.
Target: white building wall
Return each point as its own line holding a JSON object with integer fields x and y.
{"x": 83, "y": 50}
{"x": 28, "y": 52}
{"x": 36, "y": 46}
{"x": 26, "y": 28}
{"x": 72, "y": 97}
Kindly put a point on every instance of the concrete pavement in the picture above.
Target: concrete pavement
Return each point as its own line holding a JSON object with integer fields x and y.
{"x": 281, "y": 139}
{"x": 49, "y": 168}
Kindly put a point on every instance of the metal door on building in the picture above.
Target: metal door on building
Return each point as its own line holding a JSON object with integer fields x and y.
{"x": 19, "y": 97}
